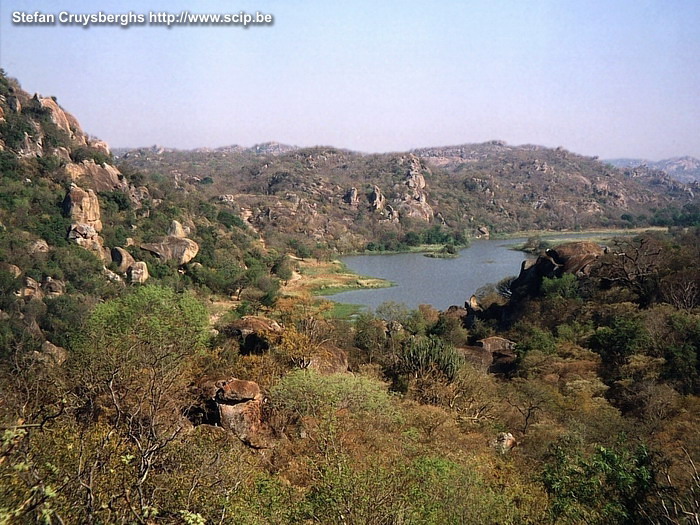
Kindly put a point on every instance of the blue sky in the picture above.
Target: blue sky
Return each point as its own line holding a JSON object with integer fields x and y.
{"x": 609, "y": 78}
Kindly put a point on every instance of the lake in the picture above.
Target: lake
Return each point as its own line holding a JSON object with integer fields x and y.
{"x": 439, "y": 282}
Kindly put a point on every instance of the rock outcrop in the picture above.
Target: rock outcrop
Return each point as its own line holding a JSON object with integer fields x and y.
{"x": 240, "y": 411}
{"x": 122, "y": 259}
{"x": 178, "y": 249}
{"x": 376, "y": 199}
{"x": 83, "y": 207}
{"x": 138, "y": 273}
{"x": 252, "y": 333}
{"x": 574, "y": 257}
{"x": 351, "y": 197}
{"x": 85, "y": 236}
{"x": 413, "y": 200}
{"x": 97, "y": 177}
{"x": 177, "y": 230}
{"x": 53, "y": 287}
{"x": 329, "y": 360}
{"x": 39, "y": 246}
{"x": 30, "y": 290}
{"x": 12, "y": 269}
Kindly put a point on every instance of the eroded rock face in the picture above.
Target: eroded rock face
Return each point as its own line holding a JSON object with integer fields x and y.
{"x": 122, "y": 259}
{"x": 31, "y": 289}
{"x": 177, "y": 230}
{"x": 83, "y": 207}
{"x": 64, "y": 120}
{"x": 377, "y": 199}
{"x": 97, "y": 177}
{"x": 56, "y": 354}
{"x": 40, "y": 246}
{"x": 12, "y": 269}
{"x": 413, "y": 201}
{"x": 351, "y": 197}
{"x": 86, "y": 237}
{"x": 237, "y": 391}
{"x": 138, "y": 272}
{"x": 53, "y": 287}
{"x": 240, "y": 405}
{"x": 171, "y": 248}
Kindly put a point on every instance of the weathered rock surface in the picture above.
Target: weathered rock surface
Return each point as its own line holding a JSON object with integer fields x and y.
{"x": 351, "y": 197}
{"x": 170, "y": 248}
{"x": 240, "y": 411}
{"x": 237, "y": 391}
{"x": 83, "y": 207}
{"x": 138, "y": 272}
{"x": 64, "y": 120}
{"x": 12, "y": 269}
{"x": 96, "y": 176}
{"x": 413, "y": 200}
{"x": 31, "y": 289}
{"x": 53, "y": 287}
{"x": 573, "y": 257}
{"x": 86, "y": 237}
{"x": 177, "y": 230}
{"x": 122, "y": 259}
{"x": 478, "y": 356}
{"x": 252, "y": 333}
{"x": 329, "y": 360}
{"x": 39, "y": 246}
{"x": 56, "y": 354}
{"x": 376, "y": 199}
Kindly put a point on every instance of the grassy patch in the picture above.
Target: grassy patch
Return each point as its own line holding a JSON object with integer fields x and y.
{"x": 345, "y": 311}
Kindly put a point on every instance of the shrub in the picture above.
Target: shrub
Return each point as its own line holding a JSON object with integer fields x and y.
{"x": 422, "y": 355}
{"x": 304, "y": 393}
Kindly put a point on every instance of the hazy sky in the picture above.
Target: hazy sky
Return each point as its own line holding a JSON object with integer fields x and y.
{"x": 611, "y": 78}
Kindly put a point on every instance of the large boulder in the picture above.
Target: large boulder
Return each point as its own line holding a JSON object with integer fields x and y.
{"x": 138, "y": 272}
{"x": 376, "y": 199}
{"x": 12, "y": 269}
{"x": 122, "y": 259}
{"x": 240, "y": 406}
{"x": 53, "y": 354}
{"x": 39, "y": 246}
{"x": 83, "y": 207}
{"x": 253, "y": 333}
{"x": 97, "y": 176}
{"x": 237, "y": 391}
{"x": 171, "y": 248}
{"x": 574, "y": 257}
{"x": 329, "y": 360}
{"x": 177, "y": 230}
{"x": 53, "y": 287}
{"x": 351, "y": 197}
{"x": 31, "y": 289}
{"x": 478, "y": 356}
{"x": 86, "y": 237}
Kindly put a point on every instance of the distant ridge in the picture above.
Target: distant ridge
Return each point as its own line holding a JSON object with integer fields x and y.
{"x": 684, "y": 169}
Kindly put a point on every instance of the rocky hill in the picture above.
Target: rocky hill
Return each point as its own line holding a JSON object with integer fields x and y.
{"x": 569, "y": 394}
{"x": 348, "y": 200}
{"x": 73, "y": 223}
{"x": 684, "y": 169}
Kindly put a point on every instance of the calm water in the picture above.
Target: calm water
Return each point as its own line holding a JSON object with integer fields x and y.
{"x": 439, "y": 282}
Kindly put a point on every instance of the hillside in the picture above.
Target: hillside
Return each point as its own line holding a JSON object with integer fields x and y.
{"x": 348, "y": 200}
{"x": 684, "y": 169}
{"x": 161, "y": 361}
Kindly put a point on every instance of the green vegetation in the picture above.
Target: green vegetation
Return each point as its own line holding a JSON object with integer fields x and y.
{"x": 113, "y": 409}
